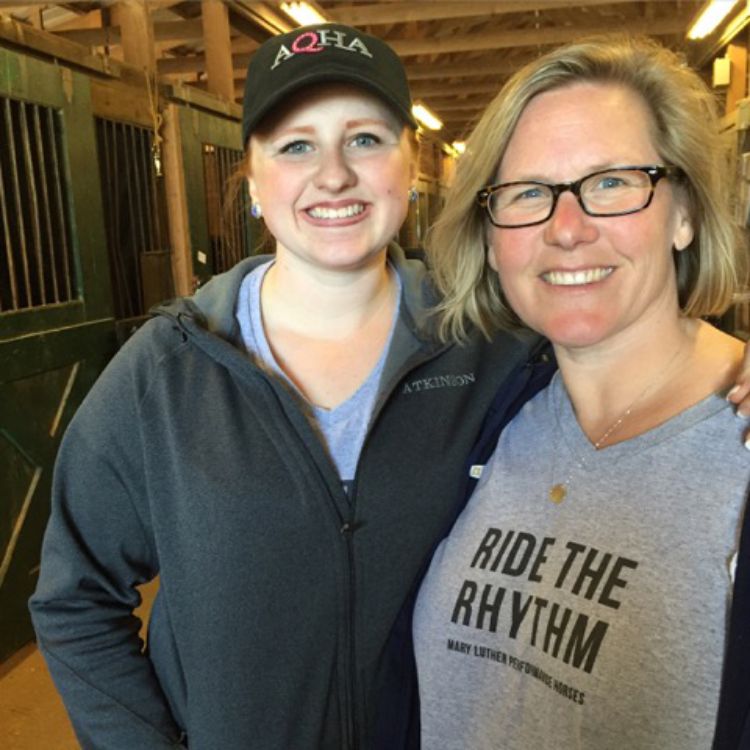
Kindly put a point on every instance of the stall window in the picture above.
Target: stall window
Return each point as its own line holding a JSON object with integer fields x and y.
{"x": 36, "y": 265}
{"x": 134, "y": 217}
{"x": 227, "y": 207}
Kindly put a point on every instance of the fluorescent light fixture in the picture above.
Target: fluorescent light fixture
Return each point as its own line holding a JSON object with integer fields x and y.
{"x": 303, "y": 13}
{"x": 423, "y": 115}
{"x": 713, "y": 14}
{"x": 459, "y": 147}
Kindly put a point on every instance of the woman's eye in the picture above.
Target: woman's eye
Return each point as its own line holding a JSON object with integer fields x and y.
{"x": 363, "y": 140}
{"x": 296, "y": 147}
{"x": 528, "y": 194}
{"x": 608, "y": 182}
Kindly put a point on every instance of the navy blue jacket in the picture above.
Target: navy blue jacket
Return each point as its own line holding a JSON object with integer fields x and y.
{"x": 398, "y": 723}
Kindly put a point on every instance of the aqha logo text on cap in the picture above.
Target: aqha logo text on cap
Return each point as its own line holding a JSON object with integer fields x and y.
{"x": 312, "y": 42}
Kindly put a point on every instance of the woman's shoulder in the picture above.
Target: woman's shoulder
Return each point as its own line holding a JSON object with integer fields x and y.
{"x": 718, "y": 358}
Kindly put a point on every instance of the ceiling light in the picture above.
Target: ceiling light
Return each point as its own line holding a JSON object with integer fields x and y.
{"x": 303, "y": 13}
{"x": 713, "y": 14}
{"x": 459, "y": 147}
{"x": 423, "y": 115}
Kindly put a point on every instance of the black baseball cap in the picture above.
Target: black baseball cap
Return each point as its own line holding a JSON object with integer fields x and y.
{"x": 322, "y": 53}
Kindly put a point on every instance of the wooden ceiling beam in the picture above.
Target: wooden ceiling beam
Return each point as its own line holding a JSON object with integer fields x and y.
{"x": 197, "y": 64}
{"x": 531, "y": 37}
{"x": 457, "y": 89}
{"x": 257, "y": 24}
{"x": 480, "y": 67}
{"x": 96, "y": 37}
{"x": 257, "y": 20}
{"x": 243, "y": 47}
{"x": 164, "y": 31}
{"x": 459, "y": 129}
{"x": 468, "y": 105}
{"x": 465, "y": 124}
{"x": 178, "y": 31}
{"x": 9, "y": 10}
{"x": 388, "y": 13}
{"x": 47, "y": 44}
{"x": 91, "y": 20}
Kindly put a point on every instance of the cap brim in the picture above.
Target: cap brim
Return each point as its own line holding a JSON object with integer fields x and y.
{"x": 331, "y": 74}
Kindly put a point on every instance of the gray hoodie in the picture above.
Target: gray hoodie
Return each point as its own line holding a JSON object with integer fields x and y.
{"x": 277, "y": 591}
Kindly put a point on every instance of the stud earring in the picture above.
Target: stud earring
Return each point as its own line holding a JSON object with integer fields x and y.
{"x": 255, "y": 210}
{"x": 413, "y": 194}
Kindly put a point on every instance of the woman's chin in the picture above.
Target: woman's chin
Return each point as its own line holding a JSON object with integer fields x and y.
{"x": 576, "y": 331}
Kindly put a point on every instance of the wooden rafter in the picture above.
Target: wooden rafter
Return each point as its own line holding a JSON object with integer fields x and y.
{"x": 457, "y": 53}
{"x": 388, "y": 13}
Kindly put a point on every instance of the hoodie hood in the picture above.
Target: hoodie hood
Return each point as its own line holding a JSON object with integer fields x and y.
{"x": 213, "y": 306}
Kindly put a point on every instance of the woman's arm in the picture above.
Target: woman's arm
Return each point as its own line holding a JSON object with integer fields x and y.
{"x": 97, "y": 549}
{"x": 740, "y": 393}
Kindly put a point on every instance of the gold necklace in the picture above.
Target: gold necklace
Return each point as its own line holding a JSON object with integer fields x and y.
{"x": 559, "y": 491}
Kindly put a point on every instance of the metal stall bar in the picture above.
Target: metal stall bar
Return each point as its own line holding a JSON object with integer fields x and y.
{"x": 132, "y": 198}
{"x": 31, "y": 195}
{"x": 159, "y": 230}
{"x": 44, "y": 194}
{"x": 113, "y": 223}
{"x": 59, "y": 212}
{"x": 224, "y": 239}
{"x": 16, "y": 192}
{"x": 243, "y": 209}
{"x": 139, "y": 196}
{"x": 226, "y": 232}
{"x": 214, "y": 232}
{"x": 227, "y": 209}
{"x": 225, "y": 169}
{"x": 144, "y": 152}
{"x": 8, "y": 242}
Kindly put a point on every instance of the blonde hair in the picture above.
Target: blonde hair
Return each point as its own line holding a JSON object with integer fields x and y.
{"x": 709, "y": 271}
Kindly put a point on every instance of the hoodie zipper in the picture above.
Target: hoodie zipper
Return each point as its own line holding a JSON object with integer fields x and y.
{"x": 346, "y": 529}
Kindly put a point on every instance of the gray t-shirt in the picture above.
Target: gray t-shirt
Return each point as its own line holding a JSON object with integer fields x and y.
{"x": 341, "y": 429}
{"x": 593, "y": 624}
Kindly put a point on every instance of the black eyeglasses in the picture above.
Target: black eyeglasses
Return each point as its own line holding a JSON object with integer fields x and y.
{"x": 608, "y": 192}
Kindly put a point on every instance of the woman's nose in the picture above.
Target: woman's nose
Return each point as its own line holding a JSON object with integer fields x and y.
{"x": 569, "y": 224}
{"x": 334, "y": 172}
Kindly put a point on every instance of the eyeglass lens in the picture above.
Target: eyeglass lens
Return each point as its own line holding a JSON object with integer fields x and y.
{"x": 603, "y": 194}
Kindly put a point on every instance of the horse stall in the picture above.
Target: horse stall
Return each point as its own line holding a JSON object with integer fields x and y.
{"x": 111, "y": 200}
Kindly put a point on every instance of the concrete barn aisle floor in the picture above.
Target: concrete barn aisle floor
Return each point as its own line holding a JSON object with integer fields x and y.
{"x": 32, "y": 716}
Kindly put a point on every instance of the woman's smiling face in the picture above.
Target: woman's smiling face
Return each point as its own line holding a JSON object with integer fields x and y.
{"x": 580, "y": 279}
{"x": 331, "y": 172}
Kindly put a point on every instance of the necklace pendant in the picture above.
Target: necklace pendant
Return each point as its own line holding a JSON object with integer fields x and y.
{"x": 557, "y": 493}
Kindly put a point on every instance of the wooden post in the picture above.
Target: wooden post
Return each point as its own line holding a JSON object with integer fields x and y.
{"x": 136, "y": 34}
{"x": 737, "y": 54}
{"x": 35, "y": 18}
{"x": 218, "y": 44}
{"x": 174, "y": 183}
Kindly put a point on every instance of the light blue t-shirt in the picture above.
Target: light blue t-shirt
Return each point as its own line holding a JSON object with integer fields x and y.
{"x": 341, "y": 429}
{"x": 597, "y": 623}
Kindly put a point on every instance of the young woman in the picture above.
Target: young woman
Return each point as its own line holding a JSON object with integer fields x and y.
{"x": 594, "y": 591}
{"x": 282, "y": 449}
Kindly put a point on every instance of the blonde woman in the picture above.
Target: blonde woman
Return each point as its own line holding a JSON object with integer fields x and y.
{"x": 594, "y": 591}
